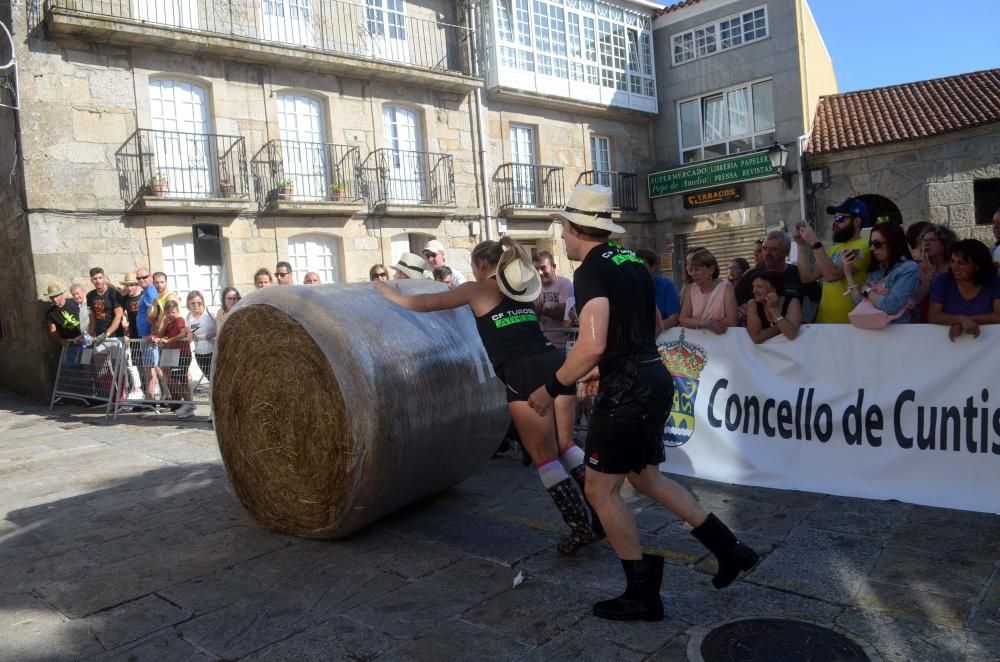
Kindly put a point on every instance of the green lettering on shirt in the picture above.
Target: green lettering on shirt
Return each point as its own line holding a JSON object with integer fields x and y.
{"x": 626, "y": 257}
{"x": 516, "y": 319}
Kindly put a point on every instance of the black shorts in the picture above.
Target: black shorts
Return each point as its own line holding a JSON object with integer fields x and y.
{"x": 522, "y": 376}
{"x": 626, "y": 424}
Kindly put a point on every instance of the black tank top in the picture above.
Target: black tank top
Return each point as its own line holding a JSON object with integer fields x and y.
{"x": 511, "y": 331}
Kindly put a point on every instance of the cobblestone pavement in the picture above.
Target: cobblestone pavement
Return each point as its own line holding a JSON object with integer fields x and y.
{"x": 123, "y": 542}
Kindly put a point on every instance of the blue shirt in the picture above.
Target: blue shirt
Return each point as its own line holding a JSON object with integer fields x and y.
{"x": 901, "y": 282}
{"x": 667, "y": 300}
{"x": 145, "y": 301}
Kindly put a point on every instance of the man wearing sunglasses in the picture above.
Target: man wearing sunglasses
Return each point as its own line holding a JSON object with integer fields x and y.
{"x": 816, "y": 262}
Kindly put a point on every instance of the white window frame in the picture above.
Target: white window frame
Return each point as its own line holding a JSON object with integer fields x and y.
{"x": 600, "y": 158}
{"x": 562, "y": 39}
{"x": 706, "y": 40}
{"x": 183, "y": 275}
{"x": 315, "y": 252}
{"x": 758, "y": 136}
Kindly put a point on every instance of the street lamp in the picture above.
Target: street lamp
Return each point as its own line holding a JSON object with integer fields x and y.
{"x": 778, "y": 156}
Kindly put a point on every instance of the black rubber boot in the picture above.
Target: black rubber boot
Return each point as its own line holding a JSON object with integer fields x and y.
{"x": 578, "y": 473}
{"x": 641, "y": 599}
{"x": 733, "y": 556}
{"x": 570, "y": 504}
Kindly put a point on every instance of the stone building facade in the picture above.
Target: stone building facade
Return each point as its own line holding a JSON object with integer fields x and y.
{"x": 921, "y": 151}
{"x": 334, "y": 138}
{"x": 735, "y": 77}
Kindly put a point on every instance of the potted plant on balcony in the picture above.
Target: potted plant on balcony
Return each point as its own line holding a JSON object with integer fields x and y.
{"x": 286, "y": 188}
{"x": 227, "y": 188}
{"x": 159, "y": 185}
{"x": 338, "y": 190}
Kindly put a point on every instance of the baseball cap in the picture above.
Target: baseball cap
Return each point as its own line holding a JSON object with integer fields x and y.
{"x": 854, "y": 207}
{"x": 433, "y": 246}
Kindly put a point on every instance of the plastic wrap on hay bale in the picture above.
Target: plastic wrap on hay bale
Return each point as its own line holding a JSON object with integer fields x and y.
{"x": 334, "y": 407}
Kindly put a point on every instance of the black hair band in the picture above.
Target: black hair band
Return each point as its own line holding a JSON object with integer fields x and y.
{"x": 598, "y": 214}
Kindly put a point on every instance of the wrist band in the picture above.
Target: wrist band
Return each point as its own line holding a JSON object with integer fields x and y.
{"x": 556, "y": 388}
{"x": 818, "y": 245}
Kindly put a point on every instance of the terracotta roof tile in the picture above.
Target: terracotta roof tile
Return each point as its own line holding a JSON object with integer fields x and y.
{"x": 905, "y": 112}
{"x": 677, "y": 6}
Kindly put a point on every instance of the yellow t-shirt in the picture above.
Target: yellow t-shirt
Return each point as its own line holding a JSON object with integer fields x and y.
{"x": 834, "y": 306}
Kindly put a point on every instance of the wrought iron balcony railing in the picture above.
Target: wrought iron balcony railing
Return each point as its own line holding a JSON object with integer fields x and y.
{"x": 526, "y": 185}
{"x": 624, "y": 187}
{"x": 371, "y": 29}
{"x": 397, "y": 176}
{"x": 305, "y": 171}
{"x": 175, "y": 164}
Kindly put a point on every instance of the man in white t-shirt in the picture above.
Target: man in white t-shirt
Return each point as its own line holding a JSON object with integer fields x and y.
{"x": 434, "y": 254}
{"x": 551, "y": 303}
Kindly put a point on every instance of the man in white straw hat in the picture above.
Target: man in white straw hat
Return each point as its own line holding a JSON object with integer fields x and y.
{"x": 624, "y": 439}
{"x": 501, "y": 297}
{"x": 411, "y": 266}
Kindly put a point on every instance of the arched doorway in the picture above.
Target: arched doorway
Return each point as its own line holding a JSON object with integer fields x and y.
{"x": 882, "y": 209}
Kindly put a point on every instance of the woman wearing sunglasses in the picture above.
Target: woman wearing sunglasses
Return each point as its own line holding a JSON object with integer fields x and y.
{"x": 892, "y": 277}
{"x": 378, "y": 272}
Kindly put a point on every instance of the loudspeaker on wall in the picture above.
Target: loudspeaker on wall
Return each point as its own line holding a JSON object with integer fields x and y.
{"x": 207, "y": 244}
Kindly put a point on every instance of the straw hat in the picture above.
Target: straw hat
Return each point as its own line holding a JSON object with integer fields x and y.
{"x": 53, "y": 290}
{"x": 519, "y": 281}
{"x": 590, "y": 206}
{"x": 412, "y": 265}
{"x": 130, "y": 279}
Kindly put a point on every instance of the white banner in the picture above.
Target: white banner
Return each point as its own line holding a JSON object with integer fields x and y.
{"x": 898, "y": 413}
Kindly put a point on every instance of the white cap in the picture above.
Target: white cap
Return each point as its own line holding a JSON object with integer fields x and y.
{"x": 434, "y": 246}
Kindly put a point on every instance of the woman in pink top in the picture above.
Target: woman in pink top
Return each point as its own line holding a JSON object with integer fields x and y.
{"x": 709, "y": 302}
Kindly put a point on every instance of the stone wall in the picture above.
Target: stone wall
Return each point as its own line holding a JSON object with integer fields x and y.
{"x": 928, "y": 180}
{"x": 84, "y": 101}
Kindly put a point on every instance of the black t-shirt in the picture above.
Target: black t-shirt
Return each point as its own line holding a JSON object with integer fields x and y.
{"x": 66, "y": 319}
{"x": 617, "y": 274}
{"x": 102, "y": 310}
{"x": 793, "y": 284}
{"x": 131, "y": 305}
{"x": 511, "y": 331}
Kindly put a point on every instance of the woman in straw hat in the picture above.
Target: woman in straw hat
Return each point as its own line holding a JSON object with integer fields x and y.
{"x": 501, "y": 298}
{"x": 411, "y": 266}
{"x": 618, "y": 321}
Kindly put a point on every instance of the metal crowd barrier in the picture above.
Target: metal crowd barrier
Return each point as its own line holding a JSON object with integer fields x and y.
{"x": 90, "y": 374}
{"x": 131, "y": 375}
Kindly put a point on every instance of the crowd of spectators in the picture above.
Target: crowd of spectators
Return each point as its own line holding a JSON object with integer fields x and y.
{"x": 920, "y": 274}
{"x": 141, "y": 322}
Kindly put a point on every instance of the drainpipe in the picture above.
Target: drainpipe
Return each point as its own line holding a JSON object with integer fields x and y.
{"x": 802, "y": 176}
{"x": 480, "y": 124}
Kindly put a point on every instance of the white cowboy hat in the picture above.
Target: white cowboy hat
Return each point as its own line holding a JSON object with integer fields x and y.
{"x": 412, "y": 265}
{"x": 519, "y": 281}
{"x": 589, "y": 206}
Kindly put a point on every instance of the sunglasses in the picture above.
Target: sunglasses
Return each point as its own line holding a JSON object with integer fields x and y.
{"x": 382, "y": 275}
{"x": 840, "y": 218}
{"x": 282, "y": 273}
{"x": 143, "y": 277}
{"x": 876, "y": 243}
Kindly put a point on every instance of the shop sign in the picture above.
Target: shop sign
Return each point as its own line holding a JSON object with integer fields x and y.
{"x": 744, "y": 168}
{"x": 715, "y": 196}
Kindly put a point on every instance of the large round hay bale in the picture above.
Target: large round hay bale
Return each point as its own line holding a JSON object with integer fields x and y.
{"x": 334, "y": 407}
